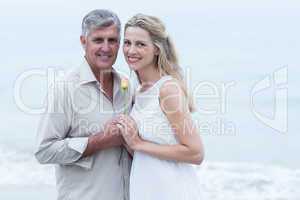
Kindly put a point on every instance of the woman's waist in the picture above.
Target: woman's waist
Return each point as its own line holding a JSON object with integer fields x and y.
{"x": 150, "y": 161}
{"x": 158, "y": 137}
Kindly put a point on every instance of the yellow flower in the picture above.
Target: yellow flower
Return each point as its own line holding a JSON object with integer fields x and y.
{"x": 124, "y": 88}
{"x": 124, "y": 84}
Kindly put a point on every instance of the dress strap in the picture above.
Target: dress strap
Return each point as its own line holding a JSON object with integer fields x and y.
{"x": 163, "y": 80}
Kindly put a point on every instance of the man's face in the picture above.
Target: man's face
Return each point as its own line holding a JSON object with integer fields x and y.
{"x": 101, "y": 47}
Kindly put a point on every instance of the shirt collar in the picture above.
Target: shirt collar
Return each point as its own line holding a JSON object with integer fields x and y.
{"x": 87, "y": 76}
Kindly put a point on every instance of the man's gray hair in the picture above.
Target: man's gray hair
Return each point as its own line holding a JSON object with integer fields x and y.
{"x": 98, "y": 19}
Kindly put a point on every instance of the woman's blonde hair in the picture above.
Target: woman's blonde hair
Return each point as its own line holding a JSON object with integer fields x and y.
{"x": 167, "y": 61}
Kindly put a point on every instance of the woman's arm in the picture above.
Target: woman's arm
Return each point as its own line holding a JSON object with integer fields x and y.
{"x": 174, "y": 104}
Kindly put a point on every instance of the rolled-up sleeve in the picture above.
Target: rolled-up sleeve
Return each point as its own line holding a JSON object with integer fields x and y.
{"x": 54, "y": 145}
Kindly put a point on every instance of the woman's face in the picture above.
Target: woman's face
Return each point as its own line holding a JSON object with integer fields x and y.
{"x": 138, "y": 48}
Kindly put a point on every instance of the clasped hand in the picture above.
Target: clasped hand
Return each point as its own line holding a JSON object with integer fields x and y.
{"x": 128, "y": 130}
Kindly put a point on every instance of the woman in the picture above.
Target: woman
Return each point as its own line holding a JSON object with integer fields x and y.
{"x": 159, "y": 129}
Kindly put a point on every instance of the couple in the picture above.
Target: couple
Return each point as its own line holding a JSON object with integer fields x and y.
{"x": 89, "y": 139}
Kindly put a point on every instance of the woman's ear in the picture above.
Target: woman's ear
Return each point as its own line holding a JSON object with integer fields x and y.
{"x": 156, "y": 50}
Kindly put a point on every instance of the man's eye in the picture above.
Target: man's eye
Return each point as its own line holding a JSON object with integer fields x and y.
{"x": 98, "y": 41}
{"x": 112, "y": 40}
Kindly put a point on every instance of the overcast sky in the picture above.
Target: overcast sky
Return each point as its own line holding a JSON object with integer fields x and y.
{"x": 220, "y": 41}
{"x": 45, "y": 33}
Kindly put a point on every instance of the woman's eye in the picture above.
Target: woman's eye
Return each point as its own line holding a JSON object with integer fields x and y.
{"x": 126, "y": 43}
{"x": 140, "y": 44}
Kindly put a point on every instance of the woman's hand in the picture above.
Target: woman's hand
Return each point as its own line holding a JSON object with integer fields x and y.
{"x": 129, "y": 131}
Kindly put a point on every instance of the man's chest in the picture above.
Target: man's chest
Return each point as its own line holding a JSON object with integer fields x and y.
{"x": 90, "y": 111}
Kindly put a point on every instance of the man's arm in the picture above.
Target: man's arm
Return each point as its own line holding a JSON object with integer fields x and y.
{"x": 53, "y": 143}
{"x": 56, "y": 147}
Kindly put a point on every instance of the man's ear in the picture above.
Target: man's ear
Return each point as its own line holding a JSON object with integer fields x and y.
{"x": 83, "y": 41}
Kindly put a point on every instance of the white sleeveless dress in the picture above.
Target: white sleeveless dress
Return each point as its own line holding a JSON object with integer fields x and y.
{"x": 152, "y": 178}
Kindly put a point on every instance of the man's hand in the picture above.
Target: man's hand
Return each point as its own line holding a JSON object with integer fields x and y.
{"x": 111, "y": 128}
{"x": 112, "y": 131}
{"x": 110, "y": 137}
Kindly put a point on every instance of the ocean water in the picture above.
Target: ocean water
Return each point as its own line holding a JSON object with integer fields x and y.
{"x": 21, "y": 176}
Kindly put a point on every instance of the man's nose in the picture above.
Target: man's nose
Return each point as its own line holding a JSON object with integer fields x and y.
{"x": 105, "y": 46}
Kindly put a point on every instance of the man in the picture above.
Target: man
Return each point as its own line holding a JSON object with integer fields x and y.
{"x": 78, "y": 133}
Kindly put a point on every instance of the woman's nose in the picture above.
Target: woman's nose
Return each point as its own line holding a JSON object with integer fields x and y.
{"x": 131, "y": 49}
